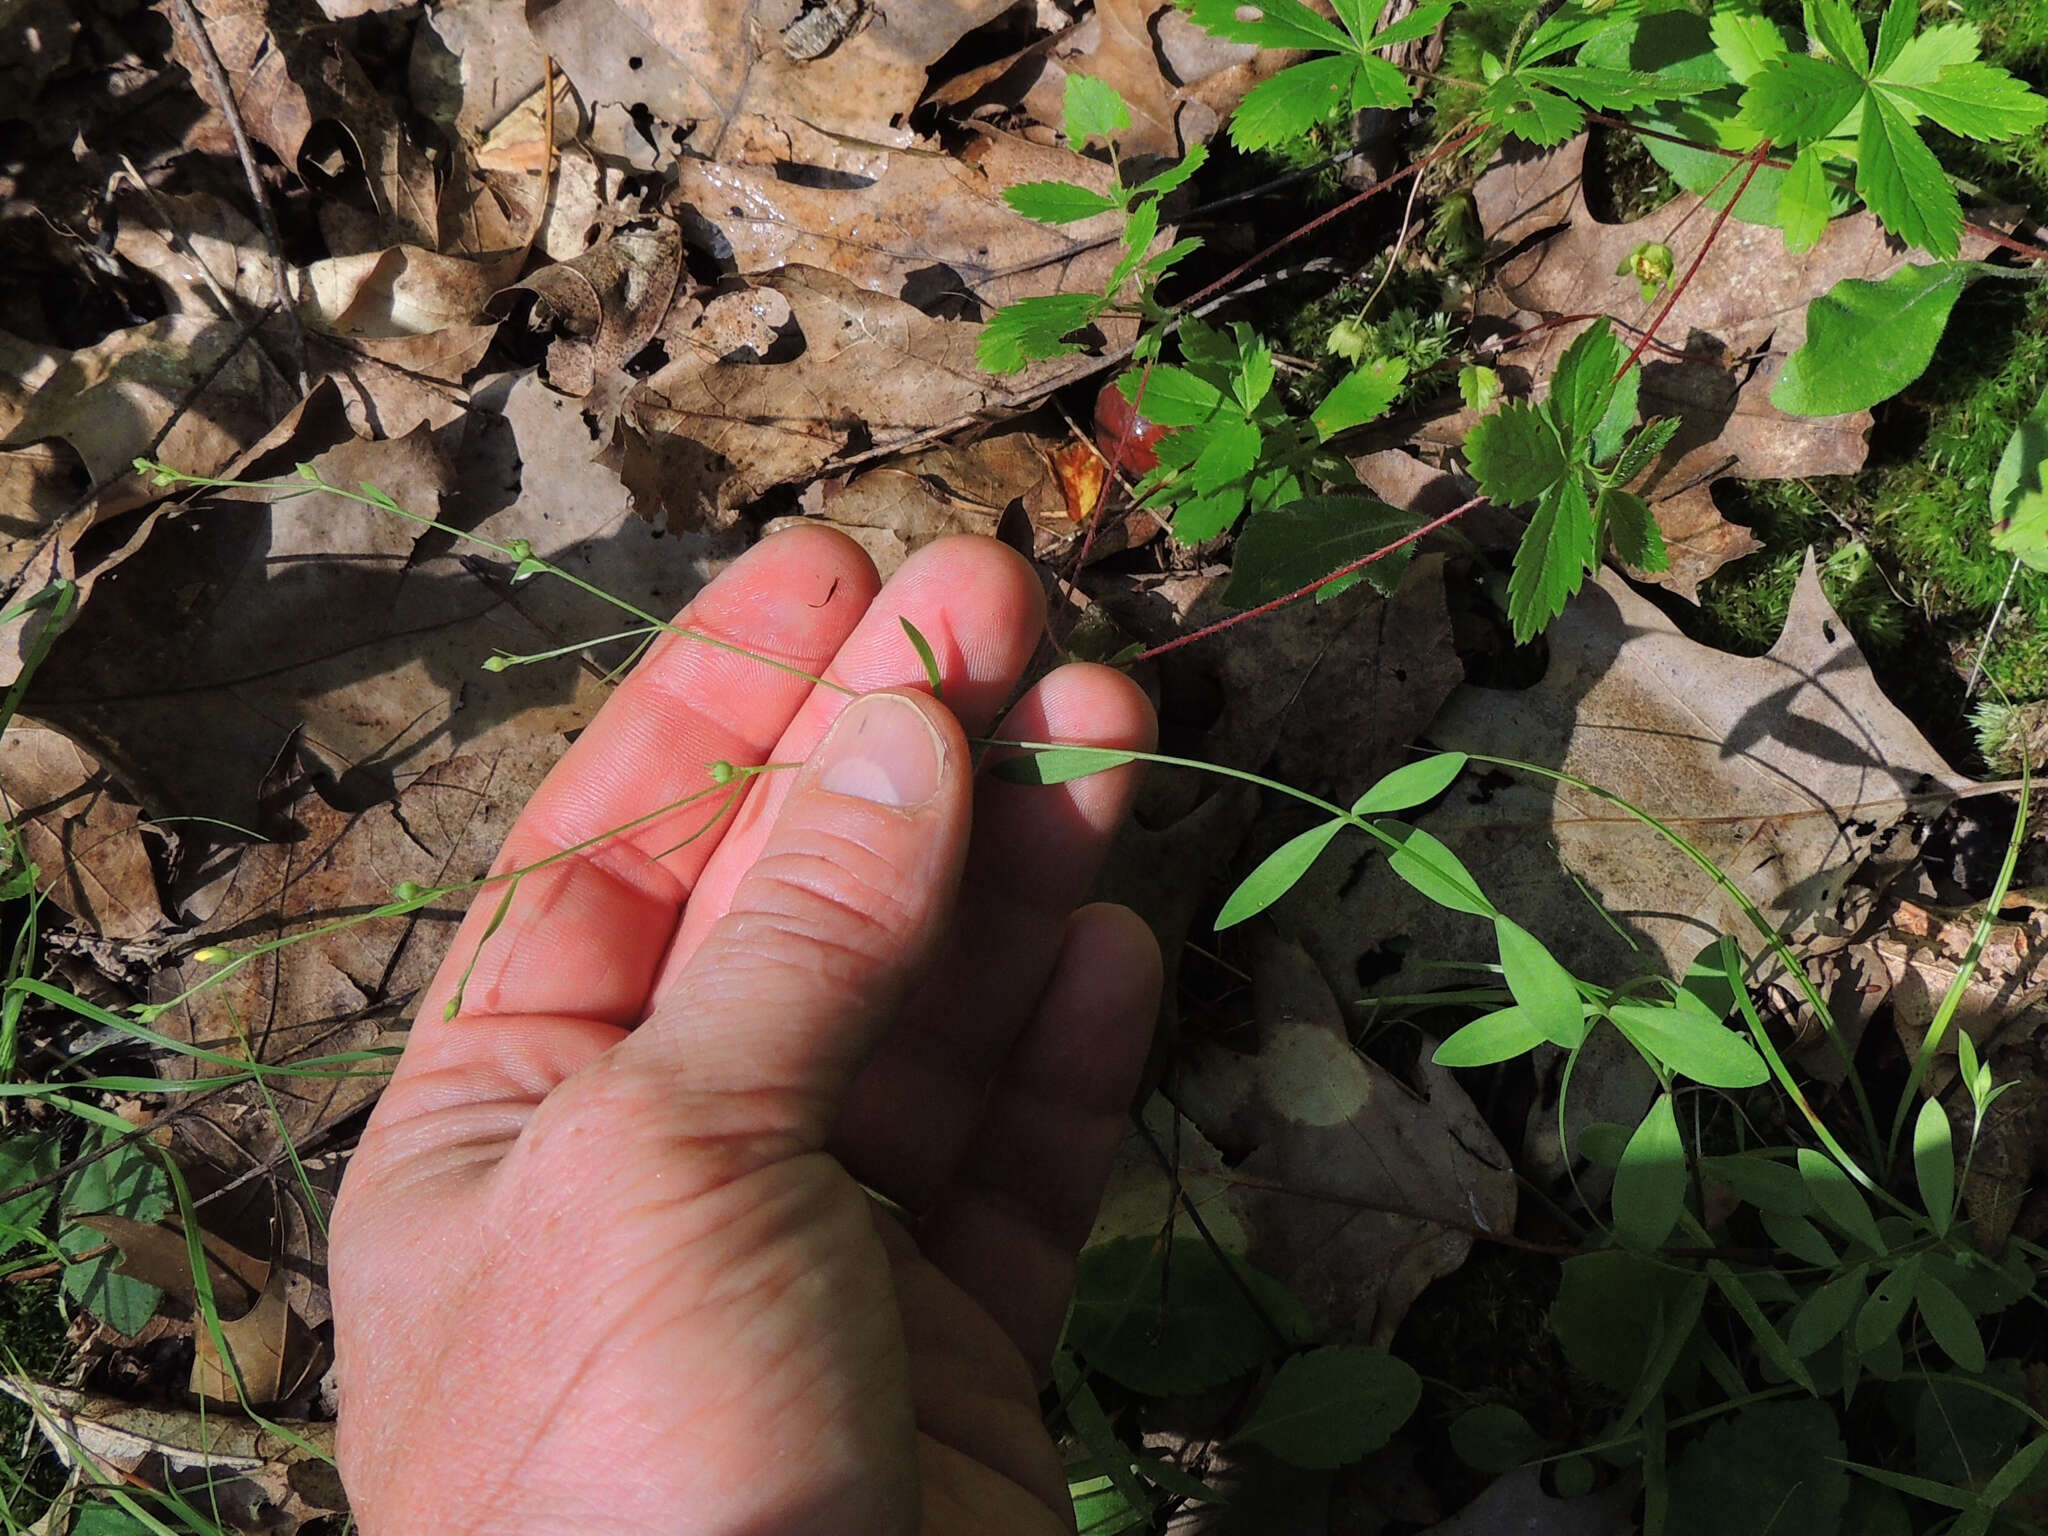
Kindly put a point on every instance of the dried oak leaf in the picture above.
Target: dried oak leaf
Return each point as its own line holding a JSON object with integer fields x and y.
{"x": 603, "y": 305}
{"x": 1736, "y": 322}
{"x": 80, "y": 831}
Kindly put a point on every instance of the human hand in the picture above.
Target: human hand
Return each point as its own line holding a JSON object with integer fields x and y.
{"x": 600, "y": 1262}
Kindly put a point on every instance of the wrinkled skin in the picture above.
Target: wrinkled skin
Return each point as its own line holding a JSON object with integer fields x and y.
{"x": 601, "y": 1262}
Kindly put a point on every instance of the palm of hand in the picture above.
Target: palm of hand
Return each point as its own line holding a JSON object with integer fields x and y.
{"x": 600, "y": 1262}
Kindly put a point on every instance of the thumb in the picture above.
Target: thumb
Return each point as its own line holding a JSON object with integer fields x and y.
{"x": 828, "y": 931}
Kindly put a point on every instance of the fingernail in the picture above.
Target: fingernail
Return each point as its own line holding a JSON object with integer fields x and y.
{"x": 882, "y": 749}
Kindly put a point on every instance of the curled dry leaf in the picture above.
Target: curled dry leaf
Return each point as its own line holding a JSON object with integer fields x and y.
{"x": 604, "y": 305}
{"x": 80, "y": 831}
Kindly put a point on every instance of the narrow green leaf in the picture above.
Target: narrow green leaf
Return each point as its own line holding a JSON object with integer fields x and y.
{"x": 1276, "y": 874}
{"x": 1954, "y": 1329}
{"x": 1550, "y": 564}
{"x": 1417, "y": 24}
{"x": 1707, "y": 1052}
{"x": 1542, "y": 986}
{"x": 1411, "y": 784}
{"x": 2016, "y": 1473}
{"x": 1649, "y": 1186}
{"x": 1838, "y": 1199}
{"x": 1573, "y": 23}
{"x": 1333, "y": 1405}
{"x": 1934, "y": 1164}
{"x": 1767, "y": 1337}
{"x": 1515, "y": 455}
{"x": 2019, "y": 522}
{"x": 1644, "y": 448}
{"x": 1282, "y": 549}
{"x": 1056, "y": 202}
{"x": 1901, "y": 182}
{"x": 1610, "y": 90}
{"x": 1094, "y": 110}
{"x": 1919, "y": 1487}
{"x": 1431, "y": 868}
{"x": 1057, "y": 765}
{"x": 1603, "y": 1142}
{"x": 1360, "y": 396}
{"x": 1805, "y": 201}
{"x": 1893, "y": 33}
{"x": 1820, "y": 1319}
{"x": 1139, "y": 232}
{"x": 925, "y": 658}
{"x": 1358, "y": 17}
{"x": 1091, "y": 1424}
{"x": 1867, "y": 341}
{"x": 1498, "y": 1036}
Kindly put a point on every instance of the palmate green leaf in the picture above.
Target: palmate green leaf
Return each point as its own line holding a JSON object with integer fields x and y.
{"x": 1800, "y": 100}
{"x": 1284, "y": 548}
{"x": 1333, "y": 1405}
{"x": 1094, "y": 110}
{"x": 1379, "y": 84}
{"x": 1410, "y": 785}
{"x": 1056, "y": 202}
{"x": 1418, "y": 23}
{"x": 1867, "y": 341}
{"x": 1292, "y": 102}
{"x": 1691, "y": 1043}
{"x": 1542, "y": 987}
{"x": 1270, "y": 24}
{"x": 1934, "y": 1164}
{"x": 1632, "y": 530}
{"x": 1834, "y": 24}
{"x": 1974, "y": 101}
{"x": 1498, "y": 1036}
{"x": 1277, "y": 874}
{"x": 1649, "y": 1186}
{"x": 1551, "y": 563}
{"x": 1901, "y": 182}
{"x": 2019, "y": 516}
{"x": 1515, "y": 455}
{"x": 1954, "y": 1329}
{"x": 1805, "y": 201}
{"x": 1583, "y": 385}
{"x": 1360, "y": 396}
{"x": 1358, "y": 17}
{"x": 1894, "y": 31}
{"x": 1033, "y": 329}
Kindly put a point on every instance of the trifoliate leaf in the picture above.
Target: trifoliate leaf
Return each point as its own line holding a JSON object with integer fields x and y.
{"x": 1293, "y": 101}
{"x": 1515, "y": 455}
{"x": 1632, "y": 532}
{"x": 1974, "y": 101}
{"x": 1033, "y": 329}
{"x": 1551, "y": 563}
{"x": 1284, "y": 548}
{"x": 1798, "y": 100}
{"x": 1867, "y": 341}
{"x": 1379, "y": 84}
{"x": 1056, "y": 202}
{"x": 1270, "y": 24}
{"x": 1901, "y": 182}
{"x": 1363, "y": 395}
{"x": 1805, "y": 203}
{"x": 1094, "y": 110}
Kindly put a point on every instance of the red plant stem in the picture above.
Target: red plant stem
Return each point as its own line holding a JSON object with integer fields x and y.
{"x": 1315, "y": 586}
{"x": 1720, "y": 223}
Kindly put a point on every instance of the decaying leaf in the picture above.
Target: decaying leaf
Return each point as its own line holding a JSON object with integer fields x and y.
{"x": 604, "y": 305}
{"x": 80, "y": 830}
{"x": 2005, "y": 1001}
{"x": 1736, "y": 323}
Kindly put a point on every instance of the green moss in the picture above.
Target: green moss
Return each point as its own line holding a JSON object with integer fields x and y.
{"x": 32, "y": 1340}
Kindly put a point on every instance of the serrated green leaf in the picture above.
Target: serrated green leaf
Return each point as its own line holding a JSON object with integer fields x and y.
{"x": 1333, "y": 1405}
{"x": 1358, "y": 17}
{"x": 1901, "y": 182}
{"x": 2019, "y": 526}
{"x": 1515, "y": 455}
{"x": 1934, "y": 1164}
{"x": 1284, "y": 548}
{"x": 1498, "y": 1036}
{"x": 1550, "y": 564}
{"x": 1838, "y": 1199}
{"x": 1867, "y": 341}
{"x": 1056, "y": 202}
{"x": 1175, "y": 176}
{"x": 1270, "y": 24}
{"x": 1204, "y": 517}
{"x": 1583, "y": 383}
{"x": 1034, "y": 329}
{"x": 1820, "y": 1318}
{"x": 1649, "y": 1186}
{"x": 1478, "y": 386}
{"x": 1612, "y": 428}
{"x": 1834, "y": 24}
{"x": 1923, "y": 59}
{"x": 1632, "y": 530}
{"x": 1292, "y": 102}
{"x": 1805, "y": 201}
{"x": 1543, "y": 117}
{"x": 1094, "y": 110}
{"x": 1893, "y": 33}
{"x": 1709, "y": 1053}
{"x": 1254, "y": 374}
{"x": 1172, "y": 397}
{"x": 1949, "y": 1321}
{"x": 1411, "y": 784}
{"x": 1611, "y": 90}
{"x": 1799, "y": 100}
{"x": 1156, "y": 266}
{"x": 1379, "y": 84}
{"x": 126, "y": 1181}
{"x": 1644, "y": 448}
{"x": 1360, "y": 396}
{"x": 1417, "y": 24}
{"x": 1057, "y": 765}
{"x": 1494, "y": 1439}
{"x": 1229, "y": 450}
{"x": 1426, "y": 864}
{"x": 1139, "y": 232}
{"x": 1276, "y": 875}
{"x": 1745, "y": 41}
{"x": 1541, "y": 986}
{"x": 1573, "y": 23}
{"x": 1974, "y": 101}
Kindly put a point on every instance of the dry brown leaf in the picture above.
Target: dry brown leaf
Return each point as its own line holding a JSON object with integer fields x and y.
{"x": 291, "y": 71}
{"x": 1921, "y": 953}
{"x": 1738, "y": 321}
{"x": 157, "y": 1254}
{"x": 603, "y": 305}
{"x": 1790, "y": 771}
{"x": 256, "y": 1345}
{"x": 473, "y": 64}
{"x": 714, "y": 64}
{"x": 706, "y": 435}
{"x": 80, "y": 831}
{"x": 244, "y": 623}
{"x": 258, "y": 1480}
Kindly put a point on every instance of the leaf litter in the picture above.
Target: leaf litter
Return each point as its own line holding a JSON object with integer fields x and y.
{"x": 632, "y": 303}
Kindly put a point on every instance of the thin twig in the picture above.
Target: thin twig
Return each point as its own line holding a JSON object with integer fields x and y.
{"x": 1991, "y": 629}
{"x": 217, "y": 76}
